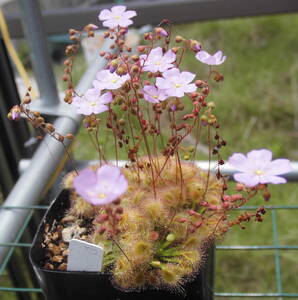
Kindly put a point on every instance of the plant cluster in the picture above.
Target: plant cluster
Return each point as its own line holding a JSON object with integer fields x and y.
{"x": 156, "y": 216}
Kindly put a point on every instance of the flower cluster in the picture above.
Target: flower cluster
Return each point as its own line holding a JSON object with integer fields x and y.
{"x": 154, "y": 216}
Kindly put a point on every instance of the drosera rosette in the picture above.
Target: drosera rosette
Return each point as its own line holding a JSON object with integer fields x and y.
{"x": 157, "y": 215}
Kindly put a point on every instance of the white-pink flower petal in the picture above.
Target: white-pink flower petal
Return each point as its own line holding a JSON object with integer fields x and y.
{"x": 117, "y": 16}
{"x": 258, "y": 167}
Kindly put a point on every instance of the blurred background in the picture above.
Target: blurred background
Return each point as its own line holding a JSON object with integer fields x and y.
{"x": 257, "y": 105}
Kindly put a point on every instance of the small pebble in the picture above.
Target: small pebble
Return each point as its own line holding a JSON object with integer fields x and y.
{"x": 49, "y": 266}
{"x": 62, "y": 267}
{"x": 57, "y": 258}
{"x": 68, "y": 219}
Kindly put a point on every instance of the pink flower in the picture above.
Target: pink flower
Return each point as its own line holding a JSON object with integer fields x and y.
{"x": 92, "y": 102}
{"x": 257, "y": 167}
{"x": 215, "y": 59}
{"x": 107, "y": 80}
{"x": 176, "y": 83}
{"x": 15, "y": 113}
{"x": 157, "y": 61}
{"x": 102, "y": 186}
{"x": 117, "y": 16}
{"x": 153, "y": 94}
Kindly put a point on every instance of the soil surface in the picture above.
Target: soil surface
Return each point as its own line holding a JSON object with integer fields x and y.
{"x": 56, "y": 239}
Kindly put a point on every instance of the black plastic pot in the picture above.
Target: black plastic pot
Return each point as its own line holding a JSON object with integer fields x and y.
{"x": 63, "y": 285}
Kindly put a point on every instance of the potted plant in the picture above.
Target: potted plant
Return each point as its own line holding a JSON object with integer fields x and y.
{"x": 157, "y": 216}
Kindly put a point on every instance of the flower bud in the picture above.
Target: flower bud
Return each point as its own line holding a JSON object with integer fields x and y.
{"x": 205, "y": 91}
{"x": 121, "y": 70}
{"x": 154, "y": 236}
{"x": 179, "y": 39}
{"x": 106, "y": 34}
{"x": 114, "y": 63}
{"x": 102, "y": 230}
{"x": 148, "y": 36}
{"x": 135, "y": 58}
{"x": 239, "y": 187}
{"x": 160, "y": 31}
{"x": 69, "y": 136}
{"x": 119, "y": 210}
{"x": 50, "y": 127}
{"x": 141, "y": 49}
{"x": 72, "y": 31}
{"x": 226, "y": 198}
{"x": 186, "y": 157}
{"x": 15, "y": 113}
{"x": 266, "y": 195}
{"x": 200, "y": 83}
{"x": 102, "y": 218}
{"x": 211, "y": 105}
{"x": 175, "y": 49}
{"x": 198, "y": 224}
{"x": 121, "y": 122}
{"x": 195, "y": 45}
{"x": 135, "y": 69}
{"x": 90, "y": 27}
{"x": 26, "y": 100}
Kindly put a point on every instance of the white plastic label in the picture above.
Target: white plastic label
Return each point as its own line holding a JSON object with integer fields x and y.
{"x": 84, "y": 256}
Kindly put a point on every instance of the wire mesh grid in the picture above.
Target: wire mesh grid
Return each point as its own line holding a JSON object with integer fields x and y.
{"x": 276, "y": 247}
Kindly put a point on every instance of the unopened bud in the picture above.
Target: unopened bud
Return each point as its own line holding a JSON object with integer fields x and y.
{"x": 15, "y": 113}
{"x": 121, "y": 70}
{"x": 102, "y": 230}
{"x": 200, "y": 83}
{"x": 119, "y": 210}
{"x": 141, "y": 49}
{"x": 135, "y": 69}
{"x": 148, "y": 36}
{"x": 175, "y": 49}
{"x": 195, "y": 45}
{"x": 162, "y": 32}
{"x": 114, "y": 63}
{"x": 26, "y": 100}
{"x": 69, "y": 136}
{"x": 90, "y": 27}
{"x": 72, "y": 31}
{"x": 135, "y": 58}
{"x": 102, "y": 218}
{"x": 211, "y": 105}
{"x": 266, "y": 195}
{"x": 239, "y": 187}
{"x": 50, "y": 127}
{"x": 179, "y": 39}
{"x": 121, "y": 122}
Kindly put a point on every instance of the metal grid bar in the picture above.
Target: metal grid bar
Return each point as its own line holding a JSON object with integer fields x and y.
{"x": 277, "y": 261}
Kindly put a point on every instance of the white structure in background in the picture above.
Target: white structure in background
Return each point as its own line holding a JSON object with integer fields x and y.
{"x": 91, "y": 46}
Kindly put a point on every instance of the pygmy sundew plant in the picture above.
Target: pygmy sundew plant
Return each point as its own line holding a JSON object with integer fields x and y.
{"x": 155, "y": 216}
